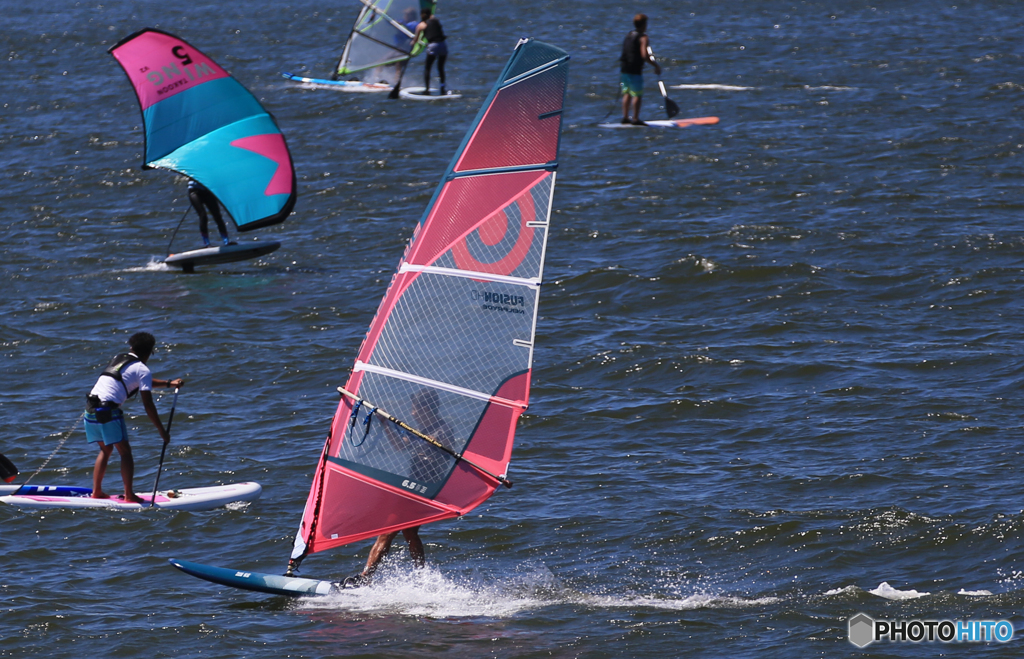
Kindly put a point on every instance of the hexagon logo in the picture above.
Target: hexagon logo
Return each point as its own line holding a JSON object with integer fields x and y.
{"x": 862, "y": 630}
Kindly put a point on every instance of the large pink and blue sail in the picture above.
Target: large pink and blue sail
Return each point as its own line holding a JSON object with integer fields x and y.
{"x": 455, "y": 328}
{"x": 201, "y": 122}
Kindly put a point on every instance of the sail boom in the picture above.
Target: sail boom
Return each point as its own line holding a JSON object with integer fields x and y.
{"x": 436, "y": 384}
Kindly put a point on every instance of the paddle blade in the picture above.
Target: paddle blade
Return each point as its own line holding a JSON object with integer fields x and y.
{"x": 671, "y": 109}
{"x": 8, "y": 471}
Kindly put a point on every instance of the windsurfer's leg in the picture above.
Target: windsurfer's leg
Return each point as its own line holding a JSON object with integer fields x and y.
{"x": 215, "y": 211}
{"x": 378, "y": 552}
{"x": 124, "y": 450}
{"x": 625, "y": 107}
{"x": 426, "y": 73}
{"x": 99, "y": 470}
{"x": 412, "y": 536}
{"x": 197, "y": 203}
{"x": 440, "y": 69}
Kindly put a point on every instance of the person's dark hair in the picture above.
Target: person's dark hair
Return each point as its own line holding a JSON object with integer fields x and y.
{"x": 426, "y": 13}
{"x": 640, "y": 21}
{"x": 142, "y": 343}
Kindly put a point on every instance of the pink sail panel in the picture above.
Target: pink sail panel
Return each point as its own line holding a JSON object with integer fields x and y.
{"x": 521, "y": 127}
{"x": 272, "y": 147}
{"x": 464, "y": 205}
{"x": 161, "y": 65}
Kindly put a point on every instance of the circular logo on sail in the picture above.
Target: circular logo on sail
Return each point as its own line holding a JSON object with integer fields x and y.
{"x": 501, "y": 242}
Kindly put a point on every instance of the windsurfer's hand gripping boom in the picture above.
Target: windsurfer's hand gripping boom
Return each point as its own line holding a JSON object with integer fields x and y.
{"x": 373, "y": 409}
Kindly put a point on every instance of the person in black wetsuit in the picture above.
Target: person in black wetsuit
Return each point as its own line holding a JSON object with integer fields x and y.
{"x": 636, "y": 51}
{"x": 437, "y": 49}
{"x": 202, "y": 199}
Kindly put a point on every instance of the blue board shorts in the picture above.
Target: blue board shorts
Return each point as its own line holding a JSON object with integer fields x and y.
{"x": 632, "y": 84}
{"x": 108, "y": 433}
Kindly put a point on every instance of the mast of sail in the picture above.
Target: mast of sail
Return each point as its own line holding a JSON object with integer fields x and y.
{"x": 449, "y": 353}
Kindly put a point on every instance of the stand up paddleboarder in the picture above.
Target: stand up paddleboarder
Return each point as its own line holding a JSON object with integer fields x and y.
{"x": 636, "y": 51}
{"x": 125, "y": 375}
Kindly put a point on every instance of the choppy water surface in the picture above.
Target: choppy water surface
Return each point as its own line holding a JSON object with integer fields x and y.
{"x": 778, "y": 365}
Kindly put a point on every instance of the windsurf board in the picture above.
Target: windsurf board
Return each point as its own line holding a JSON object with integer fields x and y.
{"x": 339, "y": 85}
{"x": 417, "y": 94}
{"x": 260, "y": 582}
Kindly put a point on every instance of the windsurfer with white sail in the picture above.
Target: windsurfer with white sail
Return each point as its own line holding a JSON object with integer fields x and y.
{"x": 125, "y": 375}
{"x": 430, "y": 29}
{"x": 426, "y": 464}
{"x": 636, "y": 51}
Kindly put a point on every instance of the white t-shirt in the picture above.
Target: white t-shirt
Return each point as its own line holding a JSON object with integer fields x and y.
{"x": 135, "y": 376}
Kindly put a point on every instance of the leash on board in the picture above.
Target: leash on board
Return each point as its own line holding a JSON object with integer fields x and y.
{"x": 64, "y": 439}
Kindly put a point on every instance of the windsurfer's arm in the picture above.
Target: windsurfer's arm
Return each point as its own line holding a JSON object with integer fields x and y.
{"x": 645, "y": 48}
{"x": 147, "y": 402}
{"x": 176, "y": 383}
{"x": 419, "y": 32}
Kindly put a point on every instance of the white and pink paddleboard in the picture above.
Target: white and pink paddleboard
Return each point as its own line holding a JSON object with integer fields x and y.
{"x": 666, "y": 123}
{"x": 194, "y": 498}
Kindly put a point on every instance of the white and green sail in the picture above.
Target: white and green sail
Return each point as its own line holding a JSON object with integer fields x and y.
{"x": 381, "y": 41}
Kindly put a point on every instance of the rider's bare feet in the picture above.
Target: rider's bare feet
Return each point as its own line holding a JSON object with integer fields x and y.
{"x": 132, "y": 498}
{"x": 100, "y": 495}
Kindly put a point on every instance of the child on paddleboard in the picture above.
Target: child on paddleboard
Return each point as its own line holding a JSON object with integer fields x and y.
{"x": 125, "y": 375}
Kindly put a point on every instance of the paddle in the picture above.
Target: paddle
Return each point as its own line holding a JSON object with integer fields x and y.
{"x": 427, "y": 438}
{"x": 398, "y": 85}
{"x": 163, "y": 451}
{"x": 8, "y": 472}
{"x": 671, "y": 109}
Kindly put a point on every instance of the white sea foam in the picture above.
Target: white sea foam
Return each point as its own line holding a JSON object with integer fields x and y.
{"x": 846, "y": 590}
{"x": 431, "y": 593}
{"x": 890, "y": 593}
{"x": 724, "y": 88}
{"x": 974, "y": 593}
{"x": 156, "y": 264}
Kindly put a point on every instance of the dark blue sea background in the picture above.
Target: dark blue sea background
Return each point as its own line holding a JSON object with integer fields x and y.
{"x": 779, "y": 360}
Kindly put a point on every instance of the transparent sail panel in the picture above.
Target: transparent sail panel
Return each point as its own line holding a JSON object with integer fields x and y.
{"x": 459, "y": 331}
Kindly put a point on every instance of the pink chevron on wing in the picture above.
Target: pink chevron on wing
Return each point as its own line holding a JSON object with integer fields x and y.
{"x": 271, "y": 145}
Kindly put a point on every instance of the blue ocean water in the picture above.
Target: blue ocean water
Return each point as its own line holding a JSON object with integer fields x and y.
{"x": 778, "y": 359}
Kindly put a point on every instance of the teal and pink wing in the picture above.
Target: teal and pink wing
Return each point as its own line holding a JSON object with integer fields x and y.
{"x": 457, "y": 325}
{"x": 201, "y": 122}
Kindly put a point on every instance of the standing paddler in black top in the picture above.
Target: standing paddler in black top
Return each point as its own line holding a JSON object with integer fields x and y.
{"x": 430, "y": 28}
{"x": 636, "y": 51}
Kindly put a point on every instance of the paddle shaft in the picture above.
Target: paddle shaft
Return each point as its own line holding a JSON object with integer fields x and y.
{"x": 671, "y": 109}
{"x": 163, "y": 451}
{"x": 427, "y": 438}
